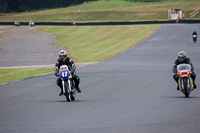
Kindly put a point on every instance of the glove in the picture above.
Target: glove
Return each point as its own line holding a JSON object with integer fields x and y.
{"x": 73, "y": 70}
{"x": 57, "y": 74}
{"x": 56, "y": 71}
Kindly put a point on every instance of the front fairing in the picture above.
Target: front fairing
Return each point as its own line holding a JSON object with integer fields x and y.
{"x": 64, "y": 75}
{"x": 184, "y": 70}
{"x": 64, "y": 72}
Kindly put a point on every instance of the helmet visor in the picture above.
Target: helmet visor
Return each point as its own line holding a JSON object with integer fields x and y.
{"x": 181, "y": 59}
{"x": 62, "y": 56}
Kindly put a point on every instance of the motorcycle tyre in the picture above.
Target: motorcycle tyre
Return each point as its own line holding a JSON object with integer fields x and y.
{"x": 185, "y": 83}
{"x": 67, "y": 94}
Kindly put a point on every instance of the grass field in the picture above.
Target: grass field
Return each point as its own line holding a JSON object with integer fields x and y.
{"x": 86, "y": 44}
{"x": 107, "y": 10}
{"x": 97, "y": 43}
{"x": 7, "y": 75}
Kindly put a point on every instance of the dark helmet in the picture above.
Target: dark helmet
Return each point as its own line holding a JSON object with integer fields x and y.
{"x": 181, "y": 56}
{"x": 62, "y": 55}
{"x": 194, "y": 32}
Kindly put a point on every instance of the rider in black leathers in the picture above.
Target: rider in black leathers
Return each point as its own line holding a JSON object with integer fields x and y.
{"x": 194, "y": 38}
{"x": 64, "y": 60}
{"x": 182, "y": 59}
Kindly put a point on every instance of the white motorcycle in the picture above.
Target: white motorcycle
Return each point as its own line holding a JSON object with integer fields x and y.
{"x": 185, "y": 81}
{"x": 67, "y": 83}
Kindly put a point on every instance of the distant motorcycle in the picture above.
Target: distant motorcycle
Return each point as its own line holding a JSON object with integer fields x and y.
{"x": 185, "y": 81}
{"x": 67, "y": 83}
{"x": 194, "y": 38}
{"x": 17, "y": 24}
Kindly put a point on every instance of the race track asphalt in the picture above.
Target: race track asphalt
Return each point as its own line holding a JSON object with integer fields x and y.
{"x": 133, "y": 92}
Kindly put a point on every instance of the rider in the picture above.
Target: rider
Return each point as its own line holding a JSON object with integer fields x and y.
{"x": 194, "y": 34}
{"x": 182, "y": 59}
{"x": 64, "y": 60}
{"x": 16, "y": 23}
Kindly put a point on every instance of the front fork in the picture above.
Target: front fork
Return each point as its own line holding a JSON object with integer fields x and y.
{"x": 69, "y": 84}
{"x": 192, "y": 83}
{"x": 63, "y": 86}
{"x": 179, "y": 83}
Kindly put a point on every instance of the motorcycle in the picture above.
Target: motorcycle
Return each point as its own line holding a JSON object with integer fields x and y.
{"x": 67, "y": 82}
{"x": 185, "y": 81}
{"x": 17, "y": 24}
{"x": 194, "y": 38}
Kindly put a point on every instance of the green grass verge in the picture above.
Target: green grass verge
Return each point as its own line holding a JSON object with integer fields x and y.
{"x": 86, "y": 44}
{"x": 107, "y": 10}
{"x": 7, "y": 75}
{"x": 98, "y": 43}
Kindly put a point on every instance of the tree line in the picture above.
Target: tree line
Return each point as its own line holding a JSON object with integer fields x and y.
{"x": 145, "y": 0}
{"x": 28, "y": 5}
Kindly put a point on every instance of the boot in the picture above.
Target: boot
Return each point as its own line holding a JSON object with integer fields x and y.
{"x": 195, "y": 86}
{"x": 177, "y": 88}
{"x": 61, "y": 93}
{"x": 78, "y": 89}
{"x": 193, "y": 76}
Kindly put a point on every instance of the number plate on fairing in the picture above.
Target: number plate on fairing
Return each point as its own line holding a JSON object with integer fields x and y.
{"x": 64, "y": 74}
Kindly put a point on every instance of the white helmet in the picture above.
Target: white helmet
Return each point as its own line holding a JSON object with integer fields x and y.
{"x": 62, "y": 55}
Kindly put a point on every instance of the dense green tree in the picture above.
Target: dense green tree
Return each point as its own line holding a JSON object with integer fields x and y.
{"x": 145, "y": 0}
{"x": 26, "y": 5}
{"x": 3, "y": 5}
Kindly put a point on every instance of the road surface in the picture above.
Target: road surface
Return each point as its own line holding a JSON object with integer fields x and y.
{"x": 133, "y": 92}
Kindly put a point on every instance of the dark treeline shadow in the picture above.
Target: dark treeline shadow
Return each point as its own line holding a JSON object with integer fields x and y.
{"x": 30, "y": 5}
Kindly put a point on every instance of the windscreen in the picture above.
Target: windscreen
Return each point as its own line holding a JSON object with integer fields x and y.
{"x": 183, "y": 67}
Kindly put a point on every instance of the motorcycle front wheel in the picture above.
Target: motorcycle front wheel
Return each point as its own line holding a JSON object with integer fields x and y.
{"x": 185, "y": 84}
{"x": 67, "y": 94}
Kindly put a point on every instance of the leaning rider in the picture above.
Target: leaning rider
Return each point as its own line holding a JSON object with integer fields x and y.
{"x": 64, "y": 60}
{"x": 182, "y": 59}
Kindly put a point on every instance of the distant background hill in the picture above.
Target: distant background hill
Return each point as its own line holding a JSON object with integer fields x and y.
{"x": 93, "y": 10}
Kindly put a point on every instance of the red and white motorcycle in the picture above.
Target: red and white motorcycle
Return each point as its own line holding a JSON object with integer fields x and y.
{"x": 185, "y": 81}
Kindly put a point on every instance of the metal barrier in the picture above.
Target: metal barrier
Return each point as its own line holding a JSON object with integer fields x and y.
{"x": 102, "y": 23}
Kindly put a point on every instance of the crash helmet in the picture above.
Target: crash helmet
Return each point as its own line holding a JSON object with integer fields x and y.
{"x": 181, "y": 56}
{"x": 62, "y": 55}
